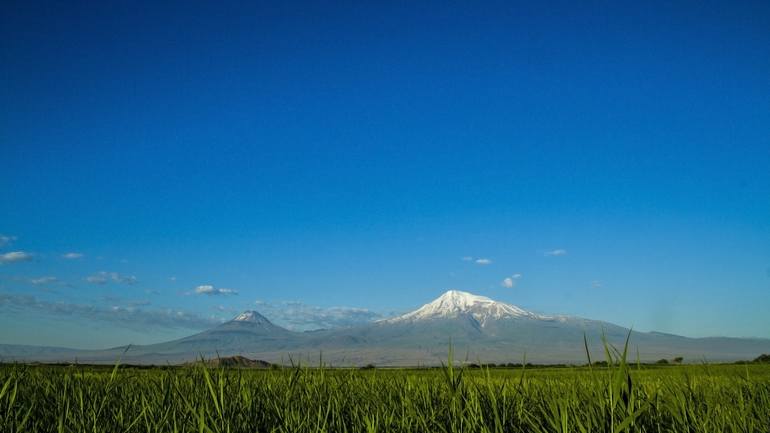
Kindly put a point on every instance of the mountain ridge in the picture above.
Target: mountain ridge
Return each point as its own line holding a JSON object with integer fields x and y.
{"x": 484, "y": 329}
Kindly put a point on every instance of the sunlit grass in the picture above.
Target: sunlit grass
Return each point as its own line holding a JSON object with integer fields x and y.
{"x": 621, "y": 397}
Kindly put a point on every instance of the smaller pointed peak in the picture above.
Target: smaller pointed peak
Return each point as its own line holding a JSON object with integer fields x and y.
{"x": 251, "y": 316}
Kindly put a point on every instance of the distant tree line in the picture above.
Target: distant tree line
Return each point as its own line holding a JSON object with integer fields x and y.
{"x": 761, "y": 359}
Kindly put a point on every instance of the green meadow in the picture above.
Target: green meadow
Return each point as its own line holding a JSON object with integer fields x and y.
{"x": 619, "y": 397}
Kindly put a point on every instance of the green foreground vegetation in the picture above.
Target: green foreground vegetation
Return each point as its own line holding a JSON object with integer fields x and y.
{"x": 200, "y": 398}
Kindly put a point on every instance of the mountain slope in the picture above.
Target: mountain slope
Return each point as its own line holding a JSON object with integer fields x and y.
{"x": 240, "y": 336}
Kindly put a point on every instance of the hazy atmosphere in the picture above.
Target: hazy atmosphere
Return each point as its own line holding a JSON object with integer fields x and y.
{"x": 165, "y": 168}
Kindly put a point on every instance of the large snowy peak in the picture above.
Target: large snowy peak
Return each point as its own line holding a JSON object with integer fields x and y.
{"x": 455, "y": 303}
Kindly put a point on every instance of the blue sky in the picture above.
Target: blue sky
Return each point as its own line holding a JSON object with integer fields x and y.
{"x": 332, "y": 163}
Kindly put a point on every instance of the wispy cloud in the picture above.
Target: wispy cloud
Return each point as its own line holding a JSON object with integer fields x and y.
{"x": 510, "y": 282}
{"x": 107, "y": 277}
{"x": 139, "y": 303}
{"x": 122, "y": 302}
{"x": 72, "y": 256}
{"x": 302, "y": 317}
{"x": 479, "y": 261}
{"x": 100, "y": 278}
{"x": 126, "y": 279}
{"x": 15, "y": 256}
{"x": 6, "y": 240}
{"x": 208, "y": 289}
{"x": 128, "y": 316}
{"x": 43, "y": 280}
{"x": 557, "y": 252}
{"x": 596, "y": 284}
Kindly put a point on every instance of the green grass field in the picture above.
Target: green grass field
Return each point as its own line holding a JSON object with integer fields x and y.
{"x": 619, "y": 398}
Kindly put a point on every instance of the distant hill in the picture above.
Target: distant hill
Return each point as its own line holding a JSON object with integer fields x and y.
{"x": 480, "y": 329}
{"x": 236, "y": 361}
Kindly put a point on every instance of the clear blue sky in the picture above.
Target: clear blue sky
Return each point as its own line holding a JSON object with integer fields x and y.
{"x": 615, "y": 155}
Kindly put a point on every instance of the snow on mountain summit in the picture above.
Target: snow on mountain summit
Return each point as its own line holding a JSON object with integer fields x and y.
{"x": 252, "y": 317}
{"x": 454, "y": 302}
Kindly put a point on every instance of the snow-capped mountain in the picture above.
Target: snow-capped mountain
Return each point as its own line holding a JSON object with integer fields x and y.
{"x": 250, "y": 322}
{"x": 454, "y": 303}
{"x": 483, "y": 329}
{"x": 251, "y": 316}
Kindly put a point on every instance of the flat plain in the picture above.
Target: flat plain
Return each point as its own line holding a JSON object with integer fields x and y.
{"x": 620, "y": 397}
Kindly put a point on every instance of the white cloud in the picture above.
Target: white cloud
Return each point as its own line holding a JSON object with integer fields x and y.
{"x": 596, "y": 284}
{"x": 302, "y": 317}
{"x": 43, "y": 280}
{"x": 106, "y": 277}
{"x": 479, "y": 261}
{"x": 556, "y": 252}
{"x": 72, "y": 256}
{"x": 15, "y": 256}
{"x": 100, "y": 278}
{"x": 126, "y": 279}
{"x": 6, "y": 240}
{"x": 132, "y": 316}
{"x": 210, "y": 290}
{"x": 510, "y": 282}
{"x": 139, "y": 303}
